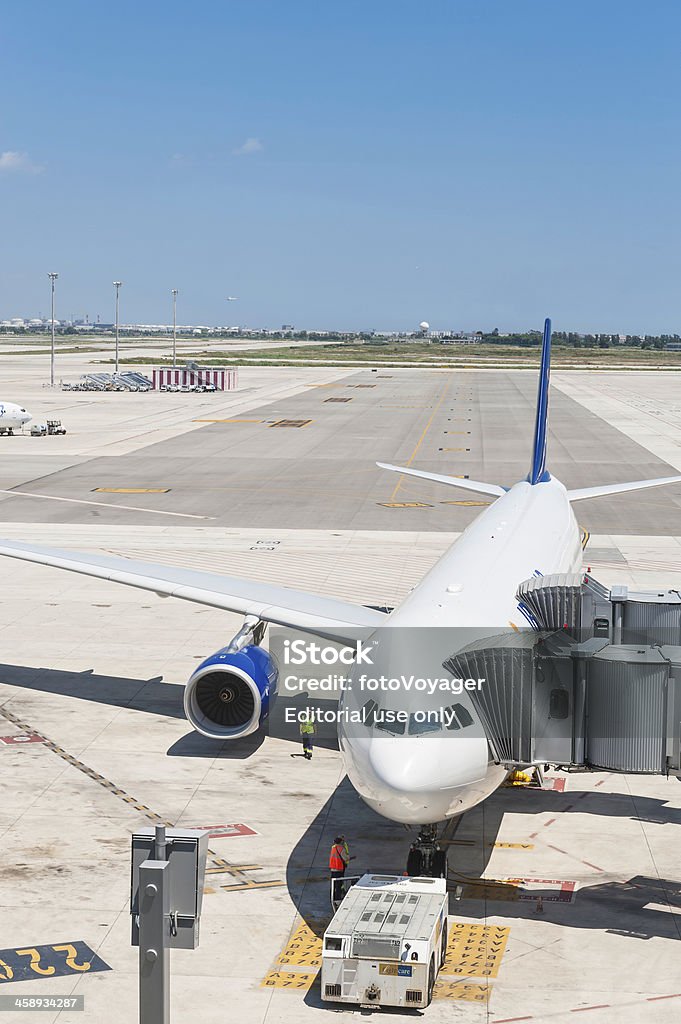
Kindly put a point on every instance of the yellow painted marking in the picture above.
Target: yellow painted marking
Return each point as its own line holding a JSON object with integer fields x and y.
{"x": 291, "y": 423}
{"x": 288, "y": 979}
{"x": 303, "y": 949}
{"x": 423, "y": 435}
{"x": 207, "y": 891}
{"x": 585, "y": 538}
{"x": 71, "y": 954}
{"x": 452, "y": 449}
{"x": 250, "y": 884}
{"x": 132, "y": 490}
{"x": 491, "y": 889}
{"x": 404, "y": 504}
{"x": 468, "y": 992}
{"x": 475, "y": 950}
{"x": 467, "y": 504}
{"x": 231, "y": 869}
{"x": 226, "y": 421}
{"x": 35, "y": 961}
{"x": 513, "y": 846}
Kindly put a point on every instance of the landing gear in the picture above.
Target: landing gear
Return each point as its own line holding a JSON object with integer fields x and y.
{"x": 426, "y": 857}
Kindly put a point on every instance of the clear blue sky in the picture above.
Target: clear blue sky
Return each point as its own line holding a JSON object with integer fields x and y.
{"x": 370, "y": 163}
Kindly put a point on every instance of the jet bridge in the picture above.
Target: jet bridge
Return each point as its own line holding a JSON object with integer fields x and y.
{"x": 596, "y": 682}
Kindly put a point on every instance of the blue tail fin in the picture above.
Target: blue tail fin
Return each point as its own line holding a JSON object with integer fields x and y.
{"x": 538, "y": 470}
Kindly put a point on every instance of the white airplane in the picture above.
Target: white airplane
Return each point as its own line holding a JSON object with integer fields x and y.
{"x": 12, "y": 417}
{"x": 404, "y": 775}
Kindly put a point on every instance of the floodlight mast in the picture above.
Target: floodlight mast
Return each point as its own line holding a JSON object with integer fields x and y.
{"x": 53, "y": 277}
{"x": 117, "y": 286}
{"x": 174, "y": 291}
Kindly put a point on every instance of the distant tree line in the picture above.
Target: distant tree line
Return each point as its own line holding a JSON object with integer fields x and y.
{"x": 573, "y": 340}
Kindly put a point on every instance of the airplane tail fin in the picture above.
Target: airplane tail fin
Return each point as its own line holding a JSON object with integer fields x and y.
{"x": 538, "y": 472}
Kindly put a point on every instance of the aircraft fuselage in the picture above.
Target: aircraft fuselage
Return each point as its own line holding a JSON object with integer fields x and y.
{"x": 423, "y": 778}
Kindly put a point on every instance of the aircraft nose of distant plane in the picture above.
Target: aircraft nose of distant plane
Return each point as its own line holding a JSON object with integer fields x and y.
{"x": 25, "y": 416}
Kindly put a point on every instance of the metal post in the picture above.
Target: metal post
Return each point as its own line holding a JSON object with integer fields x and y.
{"x": 53, "y": 277}
{"x": 154, "y": 955}
{"x": 174, "y": 325}
{"x": 160, "y": 842}
{"x": 117, "y": 286}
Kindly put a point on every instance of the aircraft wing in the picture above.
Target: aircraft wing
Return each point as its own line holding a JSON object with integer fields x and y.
{"x": 324, "y": 616}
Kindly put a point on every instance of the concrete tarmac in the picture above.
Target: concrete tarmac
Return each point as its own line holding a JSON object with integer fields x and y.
{"x": 563, "y": 900}
{"x": 279, "y": 456}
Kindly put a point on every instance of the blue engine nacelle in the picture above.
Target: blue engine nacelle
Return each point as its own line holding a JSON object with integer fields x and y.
{"x": 229, "y": 694}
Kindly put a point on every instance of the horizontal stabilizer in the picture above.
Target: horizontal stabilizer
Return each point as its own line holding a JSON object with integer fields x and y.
{"x": 634, "y": 485}
{"x": 451, "y": 481}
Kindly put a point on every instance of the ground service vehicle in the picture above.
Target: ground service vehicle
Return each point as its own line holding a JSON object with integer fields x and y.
{"x": 386, "y": 942}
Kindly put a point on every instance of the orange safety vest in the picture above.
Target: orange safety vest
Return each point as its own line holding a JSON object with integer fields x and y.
{"x": 336, "y": 861}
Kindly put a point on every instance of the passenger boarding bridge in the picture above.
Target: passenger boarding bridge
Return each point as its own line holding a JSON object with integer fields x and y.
{"x": 596, "y": 684}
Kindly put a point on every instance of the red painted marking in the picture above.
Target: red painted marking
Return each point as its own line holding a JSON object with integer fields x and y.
{"x": 508, "y": 1020}
{"x": 653, "y": 999}
{"x": 226, "y": 831}
{"x": 565, "y": 894}
{"x": 600, "y": 782}
{"x": 582, "y": 1009}
{"x": 569, "y": 807}
{"x": 22, "y": 737}
{"x": 534, "y": 835}
{"x": 594, "y": 866}
{"x": 549, "y": 822}
{"x": 558, "y": 785}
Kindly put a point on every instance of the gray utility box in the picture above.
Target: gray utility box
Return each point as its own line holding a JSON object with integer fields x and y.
{"x": 596, "y": 682}
{"x": 386, "y": 942}
{"x": 186, "y": 851}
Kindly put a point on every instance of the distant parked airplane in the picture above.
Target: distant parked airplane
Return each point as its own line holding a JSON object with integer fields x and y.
{"x": 12, "y": 416}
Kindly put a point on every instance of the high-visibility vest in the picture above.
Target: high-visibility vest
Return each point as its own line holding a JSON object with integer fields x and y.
{"x": 336, "y": 862}
{"x": 307, "y": 728}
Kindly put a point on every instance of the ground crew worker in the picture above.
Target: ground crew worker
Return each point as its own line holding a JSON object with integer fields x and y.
{"x": 337, "y": 858}
{"x": 306, "y": 734}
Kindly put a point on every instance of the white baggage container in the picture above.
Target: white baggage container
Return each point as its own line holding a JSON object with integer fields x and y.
{"x": 386, "y": 942}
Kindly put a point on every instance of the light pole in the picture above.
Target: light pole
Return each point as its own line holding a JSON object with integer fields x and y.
{"x": 117, "y": 286}
{"x": 53, "y": 277}
{"x": 174, "y": 290}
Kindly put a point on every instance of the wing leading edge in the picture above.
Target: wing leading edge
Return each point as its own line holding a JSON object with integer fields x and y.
{"x": 324, "y": 616}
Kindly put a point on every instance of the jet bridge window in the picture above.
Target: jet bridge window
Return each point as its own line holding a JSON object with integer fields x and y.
{"x": 559, "y": 704}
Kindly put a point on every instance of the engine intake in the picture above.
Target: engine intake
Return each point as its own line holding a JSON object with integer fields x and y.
{"x": 229, "y": 694}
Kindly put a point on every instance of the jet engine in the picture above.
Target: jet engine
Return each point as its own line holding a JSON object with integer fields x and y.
{"x": 228, "y": 696}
